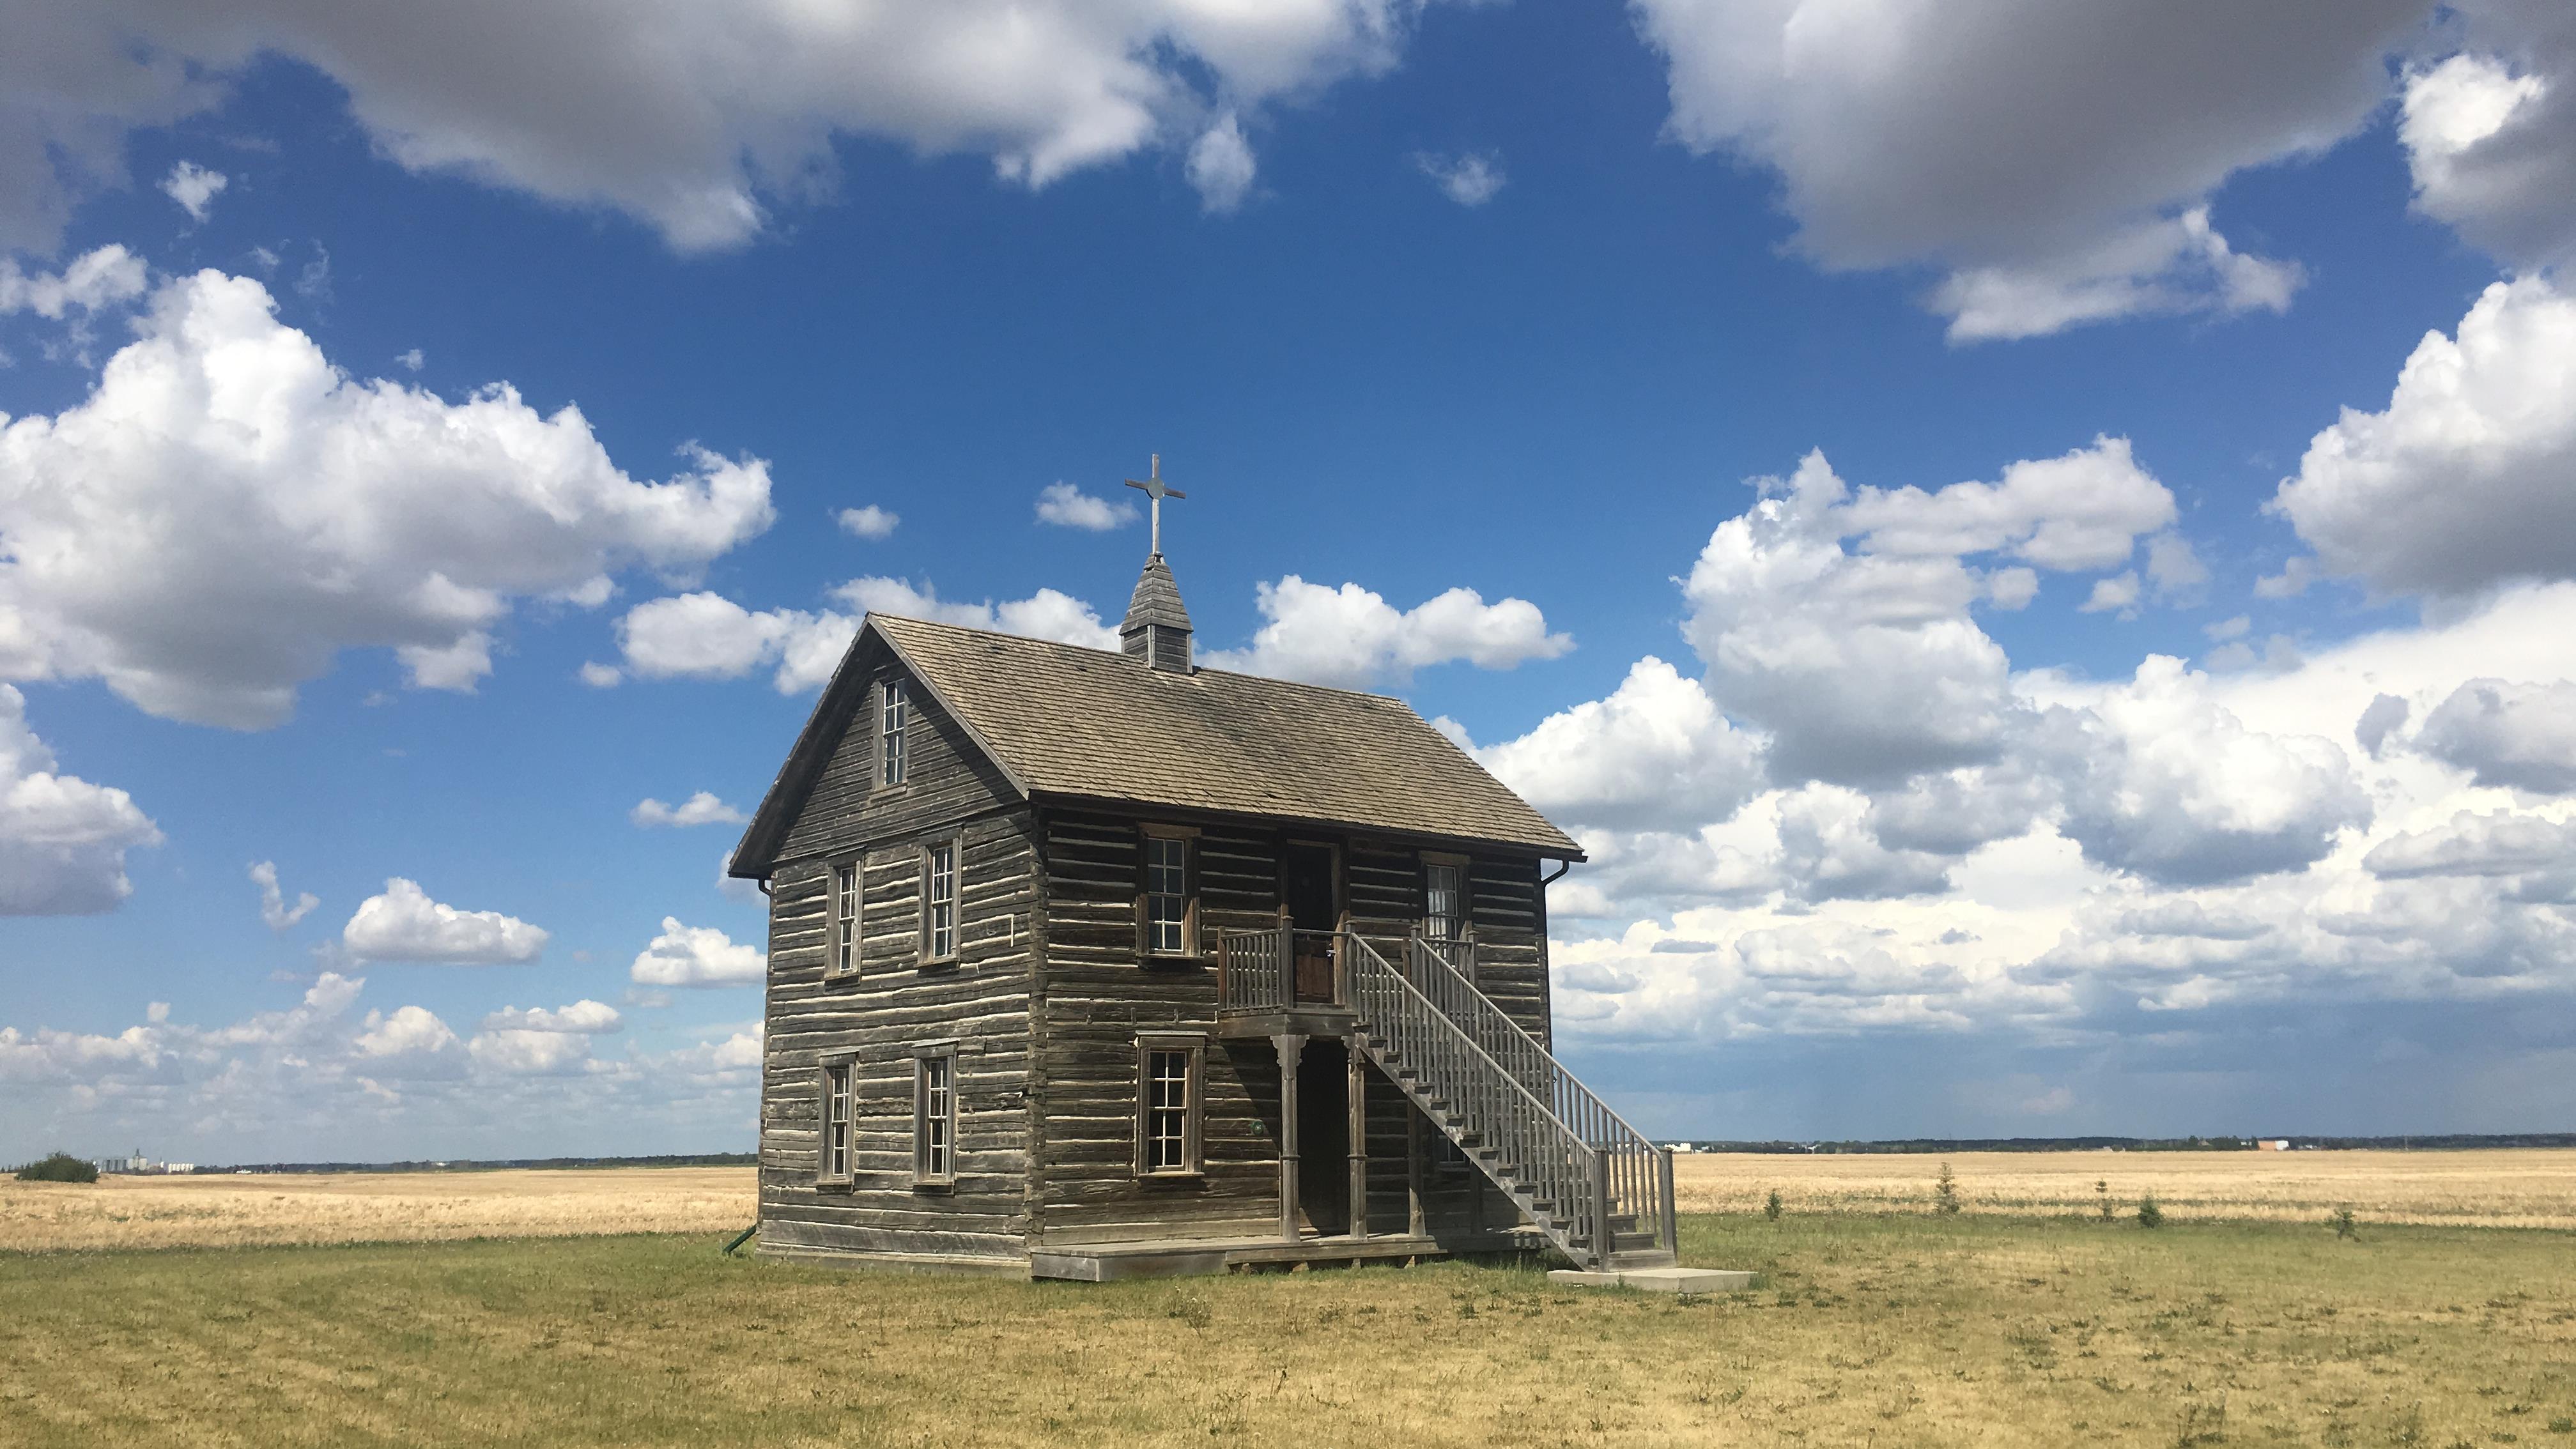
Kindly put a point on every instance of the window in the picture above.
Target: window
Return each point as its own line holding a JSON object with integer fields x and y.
{"x": 939, "y": 901}
{"x": 1167, "y": 1104}
{"x": 845, "y": 921}
{"x": 934, "y": 1117}
{"x": 1167, "y": 896}
{"x": 892, "y": 719}
{"x": 1444, "y": 899}
{"x": 835, "y": 1157}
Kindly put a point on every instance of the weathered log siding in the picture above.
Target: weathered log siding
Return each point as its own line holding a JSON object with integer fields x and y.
{"x": 896, "y": 1003}
{"x": 1095, "y": 997}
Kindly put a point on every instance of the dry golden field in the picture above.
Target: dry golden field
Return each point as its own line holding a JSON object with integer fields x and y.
{"x": 290, "y": 1208}
{"x": 2504, "y": 1188}
{"x": 2525, "y": 1188}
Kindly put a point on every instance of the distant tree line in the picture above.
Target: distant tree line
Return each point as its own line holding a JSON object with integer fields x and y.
{"x": 57, "y": 1167}
{"x": 2440, "y": 1142}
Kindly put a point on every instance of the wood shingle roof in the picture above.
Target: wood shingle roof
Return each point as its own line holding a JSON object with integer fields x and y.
{"x": 1073, "y": 723}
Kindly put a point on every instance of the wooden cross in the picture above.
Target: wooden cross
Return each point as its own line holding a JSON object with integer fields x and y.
{"x": 1158, "y": 490}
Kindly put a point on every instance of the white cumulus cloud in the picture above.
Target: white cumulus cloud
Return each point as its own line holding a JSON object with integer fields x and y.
{"x": 702, "y": 808}
{"x": 696, "y": 956}
{"x": 1352, "y": 636}
{"x": 227, "y": 511}
{"x": 870, "y": 522}
{"x": 62, "y": 839}
{"x": 1067, "y": 506}
{"x": 404, "y": 924}
{"x": 697, "y": 119}
{"x": 2463, "y": 481}
{"x": 2490, "y": 133}
{"x": 1470, "y": 178}
{"x": 273, "y": 908}
{"x": 95, "y": 280}
{"x": 2053, "y": 160}
{"x": 2519, "y": 736}
{"x": 194, "y": 188}
{"x": 1655, "y": 754}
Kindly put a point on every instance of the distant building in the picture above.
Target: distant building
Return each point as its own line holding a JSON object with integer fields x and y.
{"x": 2272, "y": 1144}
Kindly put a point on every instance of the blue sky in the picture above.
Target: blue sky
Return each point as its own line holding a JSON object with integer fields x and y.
{"x": 2028, "y": 807}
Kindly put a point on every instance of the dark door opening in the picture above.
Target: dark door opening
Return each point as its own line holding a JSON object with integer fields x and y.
{"x": 1310, "y": 887}
{"x": 1324, "y": 1137}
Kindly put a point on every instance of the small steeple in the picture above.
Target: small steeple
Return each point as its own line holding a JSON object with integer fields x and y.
{"x": 1158, "y": 627}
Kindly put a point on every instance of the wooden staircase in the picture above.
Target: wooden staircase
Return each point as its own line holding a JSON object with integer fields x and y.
{"x": 1595, "y": 1186}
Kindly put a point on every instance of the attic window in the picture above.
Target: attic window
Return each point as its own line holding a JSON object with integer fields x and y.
{"x": 892, "y": 720}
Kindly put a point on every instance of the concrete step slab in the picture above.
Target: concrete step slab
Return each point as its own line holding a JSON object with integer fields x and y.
{"x": 1660, "y": 1280}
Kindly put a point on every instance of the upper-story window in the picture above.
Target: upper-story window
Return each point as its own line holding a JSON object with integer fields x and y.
{"x": 1167, "y": 896}
{"x": 894, "y": 719}
{"x": 845, "y": 920}
{"x": 1444, "y": 899}
{"x": 939, "y": 901}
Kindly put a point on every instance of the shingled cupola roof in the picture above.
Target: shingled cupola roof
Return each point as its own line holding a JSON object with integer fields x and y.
{"x": 1157, "y": 629}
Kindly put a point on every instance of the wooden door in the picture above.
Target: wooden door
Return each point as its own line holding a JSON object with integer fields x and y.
{"x": 1310, "y": 889}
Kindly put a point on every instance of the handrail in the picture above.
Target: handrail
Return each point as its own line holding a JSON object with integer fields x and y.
{"x": 1485, "y": 1107}
{"x": 1257, "y": 971}
{"x": 1641, "y": 1172}
{"x": 1582, "y": 1167}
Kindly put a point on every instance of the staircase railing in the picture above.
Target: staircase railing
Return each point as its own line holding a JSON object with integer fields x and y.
{"x": 1582, "y": 1172}
{"x": 1640, "y": 1173}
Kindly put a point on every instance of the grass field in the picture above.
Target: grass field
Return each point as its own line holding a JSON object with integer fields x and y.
{"x": 1896, "y": 1330}
{"x": 2021, "y": 1321}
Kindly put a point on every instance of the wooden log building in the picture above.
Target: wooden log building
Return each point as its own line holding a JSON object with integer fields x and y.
{"x": 1087, "y": 964}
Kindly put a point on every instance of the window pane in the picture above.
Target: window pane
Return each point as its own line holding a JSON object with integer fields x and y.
{"x": 845, "y": 912}
{"x": 943, "y": 900}
{"x": 836, "y": 1122}
{"x": 1167, "y": 1111}
{"x": 1167, "y": 900}
{"x": 937, "y": 1124}
{"x": 1445, "y": 903}
{"x": 890, "y": 731}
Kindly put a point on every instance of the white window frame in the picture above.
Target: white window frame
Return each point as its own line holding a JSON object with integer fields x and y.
{"x": 838, "y": 1090}
{"x": 934, "y": 1115}
{"x": 1462, "y": 917}
{"x": 1185, "y": 925}
{"x": 933, "y": 948}
{"x": 848, "y": 939}
{"x": 1190, "y": 1048}
{"x": 894, "y": 724}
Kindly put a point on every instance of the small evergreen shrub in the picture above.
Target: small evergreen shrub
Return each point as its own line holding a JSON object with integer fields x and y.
{"x": 2343, "y": 1224}
{"x": 58, "y": 1167}
{"x": 2150, "y": 1215}
{"x": 1945, "y": 1191}
{"x": 2102, "y": 1199}
{"x": 1771, "y": 1206}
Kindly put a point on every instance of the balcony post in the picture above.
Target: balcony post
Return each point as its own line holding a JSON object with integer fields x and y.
{"x": 1291, "y": 1046}
{"x": 1359, "y": 1138}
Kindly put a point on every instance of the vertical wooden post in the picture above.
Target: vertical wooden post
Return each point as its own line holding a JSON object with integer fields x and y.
{"x": 1416, "y": 1221}
{"x": 1670, "y": 1227}
{"x": 1601, "y": 1235}
{"x": 1291, "y": 1047}
{"x": 1359, "y": 1138}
